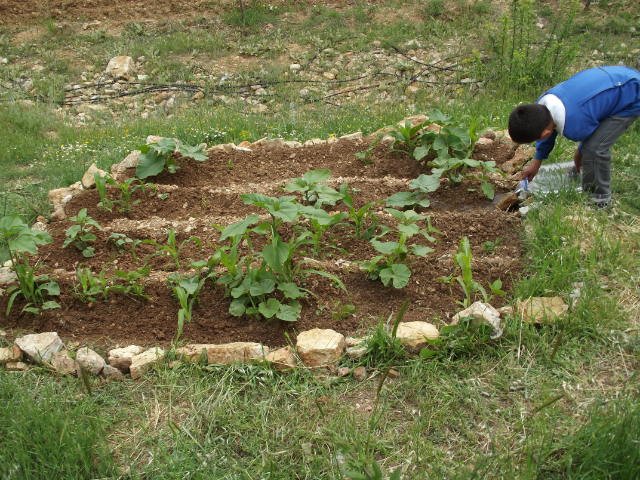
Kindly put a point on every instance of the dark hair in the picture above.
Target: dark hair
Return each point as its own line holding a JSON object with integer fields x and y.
{"x": 527, "y": 122}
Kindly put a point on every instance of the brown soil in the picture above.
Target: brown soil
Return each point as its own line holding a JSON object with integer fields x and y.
{"x": 205, "y": 193}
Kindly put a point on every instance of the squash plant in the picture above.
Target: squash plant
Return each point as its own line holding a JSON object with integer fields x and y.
{"x": 155, "y": 156}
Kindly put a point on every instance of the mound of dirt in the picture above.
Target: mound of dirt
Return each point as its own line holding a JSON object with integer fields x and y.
{"x": 203, "y": 194}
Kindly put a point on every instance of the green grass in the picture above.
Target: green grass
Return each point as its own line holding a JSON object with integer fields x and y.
{"x": 484, "y": 414}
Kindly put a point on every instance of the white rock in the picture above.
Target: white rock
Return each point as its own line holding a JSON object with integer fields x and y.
{"x": 196, "y": 352}
{"x": 40, "y": 347}
{"x": 131, "y": 160}
{"x": 87, "y": 179}
{"x": 356, "y": 353}
{"x": 352, "y": 136}
{"x": 343, "y": 372}
{"x": 235, "y": 352}
{"x": 142, "y": 78}
{"x": 353, "y": 342}
{"x": 414, "y": 335}
{"x": 4, "y": 60}
{"x": 320, "y": 347}
{"x": 272, "y": 143}
{"x": 304, "y": 93}
{"x": 223, "y": 147}
{"x": 120, "y": 66}
{"x": 484, "y": 141}
{"x": 482, "y": 313}
{"x": 11, "y": 354}
{"x": 7, "y": 276}
{"x": 314, "y": 141}
{"x": 329, "y": 75}
{"x": 121, "y": 358}
{"x": 332, "y": 140}
{"x": 294, "y": 67}
{"x": 17, "y": 367}
{"x": 141, "y": 363}
{"x": 283, "y": 359}
{"x": 63, "y": 363}
{"x": 90, "y": 360}
{"x": 110, "y": 372}
{"x": 292, "y": 144}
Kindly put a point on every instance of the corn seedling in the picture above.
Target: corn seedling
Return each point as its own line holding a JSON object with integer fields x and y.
{"x": 361, "y": 217}
{"x": 186, "y": 289}
{"x": 133, "y": 283}
{"x": 171, "y": 249}
{"x": 88, "y": 287}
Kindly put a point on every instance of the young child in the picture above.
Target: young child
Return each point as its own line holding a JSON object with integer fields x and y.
{"x": 594, "y": 107}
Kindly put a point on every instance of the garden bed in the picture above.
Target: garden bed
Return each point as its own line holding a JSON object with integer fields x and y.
{"x": 201, "y": 194}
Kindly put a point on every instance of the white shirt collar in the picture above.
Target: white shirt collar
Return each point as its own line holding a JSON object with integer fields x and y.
{"x": 558, "y": 112}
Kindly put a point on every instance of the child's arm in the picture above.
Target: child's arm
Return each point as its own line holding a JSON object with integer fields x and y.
{"x": 544, "y": 147}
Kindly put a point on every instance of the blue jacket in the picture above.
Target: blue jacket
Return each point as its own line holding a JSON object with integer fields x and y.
{"x": 591, "y": 96}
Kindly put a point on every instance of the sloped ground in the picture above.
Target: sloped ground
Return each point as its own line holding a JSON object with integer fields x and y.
{"x": 205, "y": 193}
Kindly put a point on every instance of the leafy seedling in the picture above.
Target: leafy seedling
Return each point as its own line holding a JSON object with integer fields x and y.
{"x": 132, "y": 282}
{"x": 154, "y": 156}
{"x": 171, "y": 248}
{"x": 312, "y": 187}
{"x": 80, "y": 234}
{"x": 88, "y": 287}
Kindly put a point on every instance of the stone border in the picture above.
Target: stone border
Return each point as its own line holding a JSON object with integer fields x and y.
{"x": 319, "y": 349}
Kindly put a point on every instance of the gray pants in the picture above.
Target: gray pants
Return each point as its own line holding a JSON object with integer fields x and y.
{"x": 596, "y": 157}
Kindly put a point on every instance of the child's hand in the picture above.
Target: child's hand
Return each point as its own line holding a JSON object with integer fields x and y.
{"x": 577, "y": 160}
{"x": 532, "y": 170}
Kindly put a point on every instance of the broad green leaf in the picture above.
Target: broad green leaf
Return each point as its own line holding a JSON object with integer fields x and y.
{"x": 286, "y": 210}
{"x": 287, "y": 313}
{"x": 88, "y": 237}
{"x": 420, "y": 152}
{"x": 52, "y": 288}
{"x": 322, "y": 217}
{"x": 425, "y": 183}
{"x": 396, "y": 213}
{"x": 262, "y": 287}
{"x": 385, "y": 248}
{"x": 33, "y": 310}
{"x": 257, "y": 199}
{"x": 317, "y": 176}
{"x": 269, "y": 308}
{"x": 398, "y": 273}
{"x": 436, "y": 116}
{"x": 276, "y": 257}
{"x": 401, "y": 199}
{"x": 328, "y": 195}
{"x": 421, "y": 250}
{"x": 238, "y": 228}
{"x": 412, "y": 216}
{"x": 150, "y": 164}
{"x": 409, "y": 230}
{"x": 165, "y": 145}
{"x": 290, "y": 290}
{"x": 88, "y": 252}
{"x": 487, "y": 189}
{"x": 426, "y": 353}
{"x": 50, "y": 304}
{"x": 190, "y": 284}
{"x": 462, "y": 134}
{"x": 237, "y": 307}
{"x": 193, "y": 152}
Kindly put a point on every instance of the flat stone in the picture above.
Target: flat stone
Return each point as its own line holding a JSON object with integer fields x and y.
{"x": 393, "y": 373}
{"x": 484, "y": 141}
{"x": 235, "y": 352}
{"x": 272, "y": 143}
{"x": 414, "y": 335}
{"x": 90, "y": 360}
{"x": 329, "y": 75}
{"x": 244, "y": 144}
{"x": 414, "y": 119}
{"x": 505, "y": 201}
{"x": 7, "y": 276}
{"x": 11, "y": 354}
{"x": 282, "y": 359}
{"x": 193, "y": 353}
{"x": 320, "y": 347}
{"x": 314, "y": 141}
{"x": 87, "y": 179}
{"x": 17, "y": 367}
{"x": 141, "y": 363}
{"x": 109, "y": 372}
{"x": 198, "y": 96}
{"x": 332, "y": 140}
{"x": 292, "y": 144}
{"x": 542, "y": 309}
{"x": 58, "y": 215}
{"x": 352, "y": 341}
{"x": 63, "y": 363}
{"x": 343, "y": 372}
{"x": 121, "y": 358}
{"x": 360, "y": 374}
{"x": 40, "y": 347}
{"x": 352, "y": 136}
{"x": 356, "y": 353}
{"x": 294, "y": 67}
{"x": 223, "y": 147}
{"x": 482, "y": 313}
